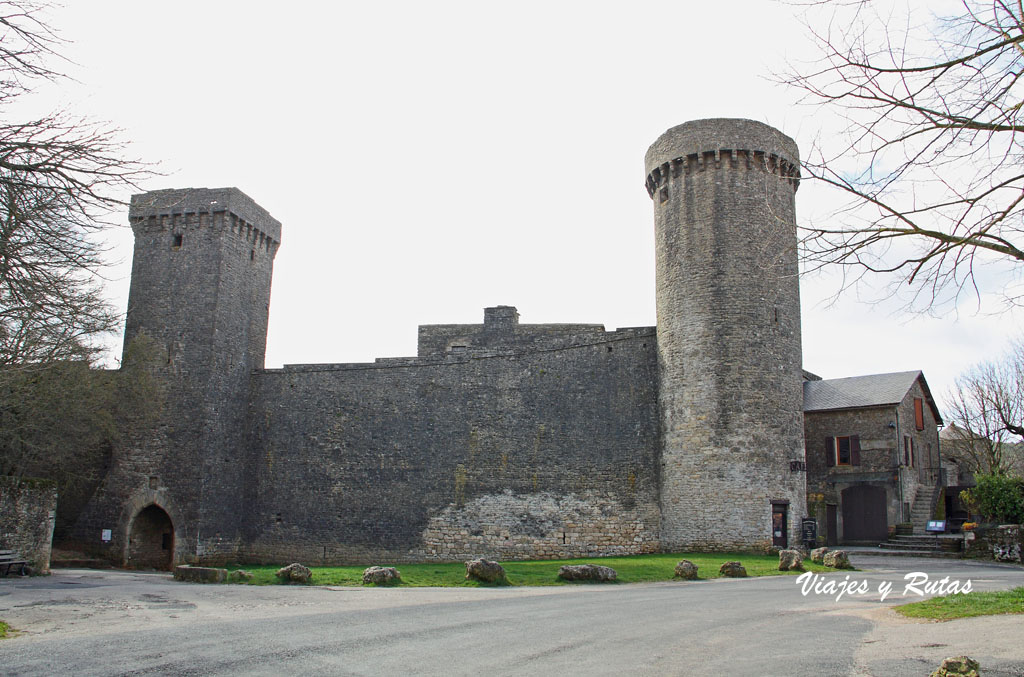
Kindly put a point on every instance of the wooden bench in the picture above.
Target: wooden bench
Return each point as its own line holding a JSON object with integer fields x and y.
{"x": 11, "y": 560}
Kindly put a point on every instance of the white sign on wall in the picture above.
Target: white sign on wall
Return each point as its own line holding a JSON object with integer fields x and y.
{"x": 105, "y": 535}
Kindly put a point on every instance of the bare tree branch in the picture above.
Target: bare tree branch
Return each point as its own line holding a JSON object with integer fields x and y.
{"x": 987, "y": 418}
{"x": 931, "y": 155}
{"x": 60, "y": 179}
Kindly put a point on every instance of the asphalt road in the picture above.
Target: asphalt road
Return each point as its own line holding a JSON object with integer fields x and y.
{"x": 123, "y": 623}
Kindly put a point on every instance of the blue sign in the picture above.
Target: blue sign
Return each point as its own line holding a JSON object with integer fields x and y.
{"x": 936, "y": 526}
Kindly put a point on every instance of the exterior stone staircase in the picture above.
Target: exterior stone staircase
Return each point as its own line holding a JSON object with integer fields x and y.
{"x": 941, "y": 545}
{"x": 924, "y": 508}
{"x": 918, "y": 542}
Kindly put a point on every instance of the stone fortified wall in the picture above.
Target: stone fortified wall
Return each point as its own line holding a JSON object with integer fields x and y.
{"x": 546, "y": 448}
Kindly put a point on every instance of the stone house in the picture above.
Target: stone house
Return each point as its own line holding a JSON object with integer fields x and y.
{"x": 873, "y": 458}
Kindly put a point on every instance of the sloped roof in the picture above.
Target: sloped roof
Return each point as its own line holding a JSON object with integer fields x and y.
{"x": 873, "y": 390}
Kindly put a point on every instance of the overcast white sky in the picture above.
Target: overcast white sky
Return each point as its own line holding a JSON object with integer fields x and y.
{"x": 428, "y": 159}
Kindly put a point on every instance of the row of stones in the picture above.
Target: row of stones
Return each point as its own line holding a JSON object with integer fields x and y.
{"x": 487, "y": 571}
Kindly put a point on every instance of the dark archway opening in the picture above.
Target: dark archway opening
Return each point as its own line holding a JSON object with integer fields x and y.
{"x": 151, "y": 540}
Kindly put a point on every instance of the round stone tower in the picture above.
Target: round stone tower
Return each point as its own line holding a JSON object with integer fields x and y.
{"x": 730, "y": 397}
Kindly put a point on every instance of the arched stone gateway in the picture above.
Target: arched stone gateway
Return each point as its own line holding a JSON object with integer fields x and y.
{"x": 151, "y": 539}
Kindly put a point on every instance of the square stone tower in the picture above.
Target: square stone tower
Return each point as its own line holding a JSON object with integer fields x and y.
{"x": 200, "y": 295}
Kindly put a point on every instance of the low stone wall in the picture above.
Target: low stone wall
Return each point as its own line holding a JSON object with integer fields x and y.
{"x": 28, "y": 508}
{"x": 1003, "y": 543}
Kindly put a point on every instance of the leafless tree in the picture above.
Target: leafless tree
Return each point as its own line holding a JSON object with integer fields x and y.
{"x": 931, "y": 148}
{"x": 60, "y": 179}
{"x": 987, "y": 416}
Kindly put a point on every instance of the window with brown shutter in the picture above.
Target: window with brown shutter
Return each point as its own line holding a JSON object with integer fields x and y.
{"x": 847, "y": 451}
{"x": 919, "y": 413}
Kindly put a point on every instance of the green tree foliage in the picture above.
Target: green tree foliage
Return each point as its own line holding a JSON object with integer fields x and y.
{"x": 63, "y": 420}
{"x": 998, "y": 498}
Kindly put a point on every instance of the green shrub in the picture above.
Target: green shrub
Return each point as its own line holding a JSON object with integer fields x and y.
{"x": 998, "y": 498}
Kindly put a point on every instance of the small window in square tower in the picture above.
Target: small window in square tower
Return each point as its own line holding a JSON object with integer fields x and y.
{"x": 176, "y": 241}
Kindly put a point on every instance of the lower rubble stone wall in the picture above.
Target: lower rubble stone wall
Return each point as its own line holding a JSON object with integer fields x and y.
{"x": 28, "y": 508}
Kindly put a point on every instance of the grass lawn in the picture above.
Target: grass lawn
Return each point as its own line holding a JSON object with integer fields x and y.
{"x": 966, "y": 605}
{"x": 632, "y": 569}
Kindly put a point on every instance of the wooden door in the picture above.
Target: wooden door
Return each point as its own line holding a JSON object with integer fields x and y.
{"x": 864, "y": 514}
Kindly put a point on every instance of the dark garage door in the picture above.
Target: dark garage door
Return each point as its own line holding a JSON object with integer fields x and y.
{"x": 864, "y": 514}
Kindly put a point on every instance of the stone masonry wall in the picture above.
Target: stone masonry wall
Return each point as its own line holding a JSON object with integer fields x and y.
{"x": 27, "y": 512}
{"x": 501, "y": 331}
{"x": 925, "y": 444}
{"x": 542, "y": 453}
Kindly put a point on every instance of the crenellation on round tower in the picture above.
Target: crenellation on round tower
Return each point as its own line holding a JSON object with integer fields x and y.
{"x": 698, "y": 162}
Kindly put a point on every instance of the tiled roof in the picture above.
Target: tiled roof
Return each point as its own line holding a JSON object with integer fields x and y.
{"x": 859, "y": 391}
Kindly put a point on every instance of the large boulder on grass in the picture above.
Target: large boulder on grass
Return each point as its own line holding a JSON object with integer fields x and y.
{"x": 837, "y": 559}
{"x": 791, "y": 560}
{"x": 686, "y": 570}
{"x": 586, "y": 572}
{"x": 484, "y": 570}
{"x": 818, "y": 555}
{"x": 732, "y": 569}
{"x": 381, "y": 576}
{"x": 958, "y": 666}
{"x": 294, "y": 573}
